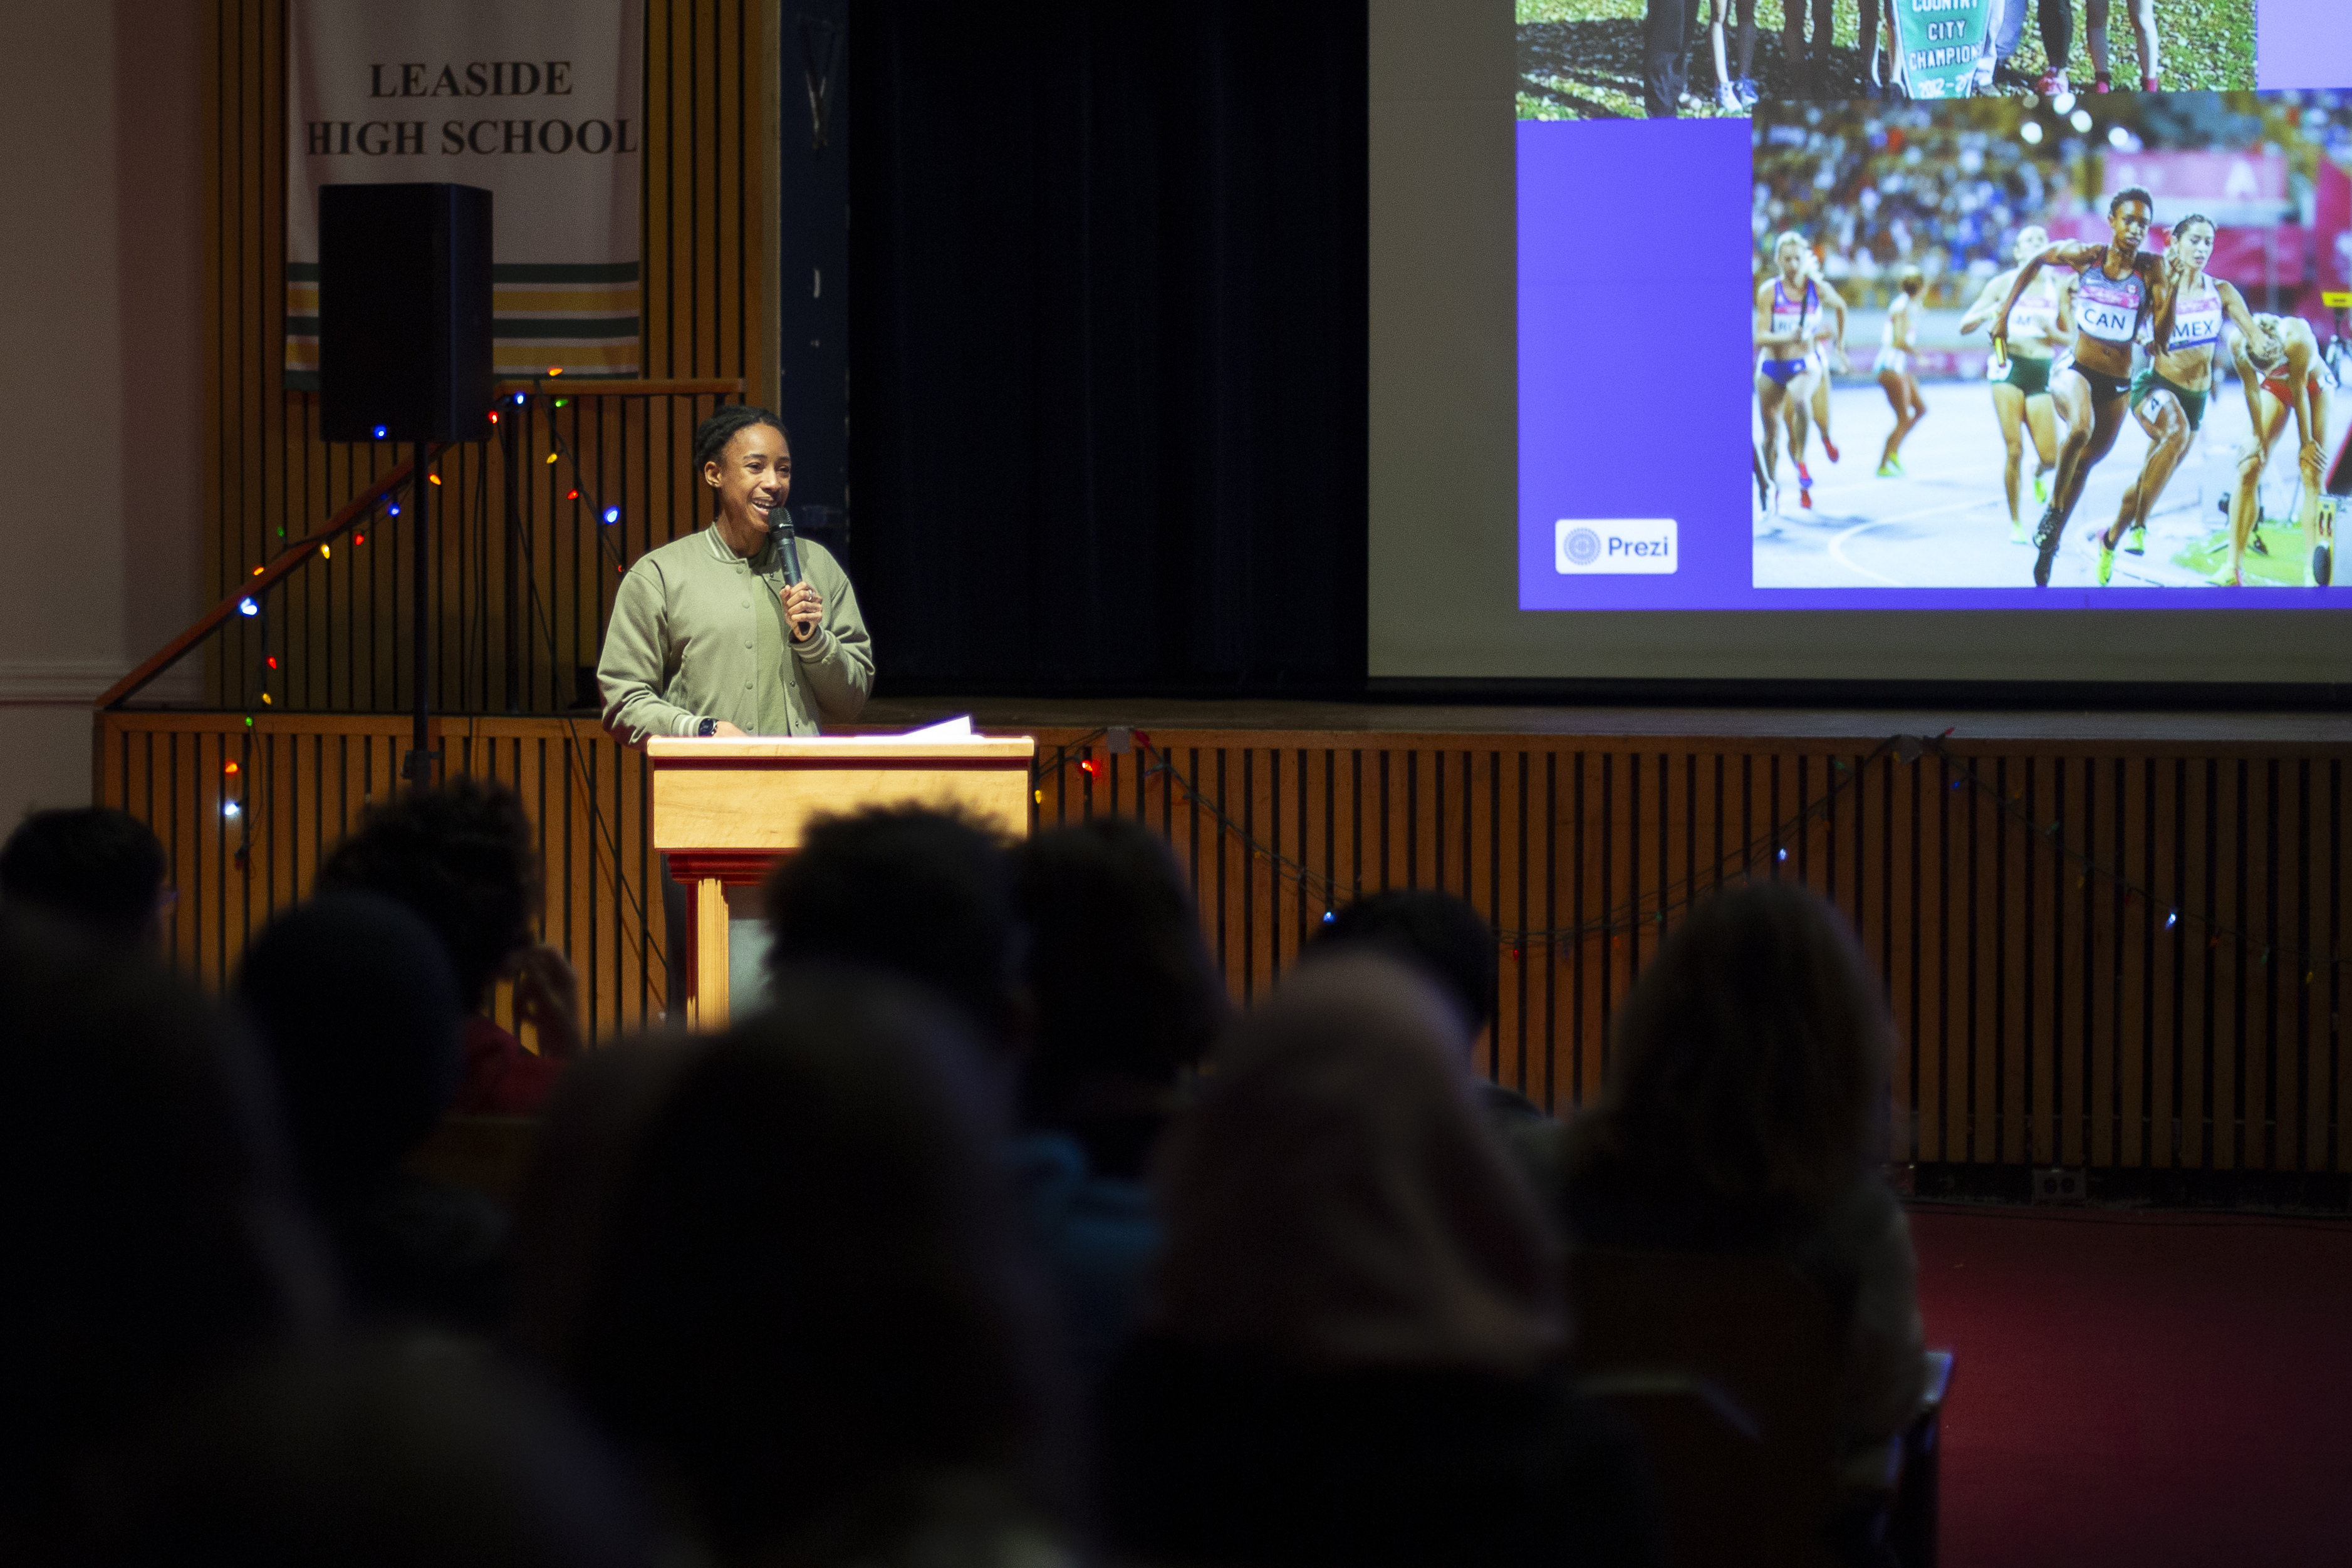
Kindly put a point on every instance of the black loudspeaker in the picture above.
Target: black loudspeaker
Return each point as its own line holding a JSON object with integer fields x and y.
{"x": 404, "y": 312}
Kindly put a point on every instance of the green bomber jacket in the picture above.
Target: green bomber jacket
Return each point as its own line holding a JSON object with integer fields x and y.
{"x": 699, "y": 633}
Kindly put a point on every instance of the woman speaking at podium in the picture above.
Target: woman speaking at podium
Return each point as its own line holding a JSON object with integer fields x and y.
{"x": 740, "y": 629}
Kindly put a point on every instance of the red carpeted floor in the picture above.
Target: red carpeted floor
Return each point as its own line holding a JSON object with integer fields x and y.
{"x": 2141, "y": 1389}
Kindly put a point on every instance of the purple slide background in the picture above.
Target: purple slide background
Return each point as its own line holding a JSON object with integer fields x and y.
{"x": 1634, "y": 334}
{"x": 2302, "y": 44}
{"x": 1635, "y": 366}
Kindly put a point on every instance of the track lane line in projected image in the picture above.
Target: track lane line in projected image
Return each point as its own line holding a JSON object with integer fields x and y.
{"x": 1837, "y": 553}
{"x": 1837, "y": 545}
{"x": 1945, "y": 524}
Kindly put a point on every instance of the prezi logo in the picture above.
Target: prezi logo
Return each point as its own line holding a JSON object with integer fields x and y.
{"x": 1615, "y": 545}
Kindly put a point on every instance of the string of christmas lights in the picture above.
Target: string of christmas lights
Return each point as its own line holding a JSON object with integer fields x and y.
{"x": 2178, "y": 918}
{"x": 245, "y": 807}
{"x": 1652, "y": 911}
{"x": 1637, "y": 913}
{"x": 582, "y": 486}
{"x": 252, "y": 608}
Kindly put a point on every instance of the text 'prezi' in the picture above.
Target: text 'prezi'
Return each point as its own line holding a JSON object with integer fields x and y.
{"x": 1599, "y": 544}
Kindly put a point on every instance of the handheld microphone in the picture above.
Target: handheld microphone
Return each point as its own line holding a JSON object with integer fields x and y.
{"x": 789, "y": 550}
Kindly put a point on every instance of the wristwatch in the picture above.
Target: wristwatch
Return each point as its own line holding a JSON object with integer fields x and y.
{"x": 707, "y": 727}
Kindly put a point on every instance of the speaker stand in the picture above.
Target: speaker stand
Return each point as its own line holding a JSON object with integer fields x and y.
{"x": 416, "y": 768}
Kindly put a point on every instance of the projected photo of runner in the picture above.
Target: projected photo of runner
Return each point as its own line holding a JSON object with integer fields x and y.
{"x": 2074, "y": 343}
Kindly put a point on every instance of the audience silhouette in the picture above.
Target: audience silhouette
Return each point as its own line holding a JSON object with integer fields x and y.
{"x": 149, "y": 1232}
{"x": 933, "y": 899}
{"x": 1351, "y": 1348}
{"x": 589, "y": 1133}
{"x": 810, "y": 1316}
{"x": 355, "y": 1007}
{"x": 1126, "y": 1002}
{"x": 1452, "y": 946}
{"x": 92, "y": 867}
{"x": 1745, "y": 1110}
{"x": 968, "y": 1249}
{"x": 407, "y": 1452}
{"x": 464, "y": 858}
{"x": 1127, "y": 999}
{"x": 914, "y": 893}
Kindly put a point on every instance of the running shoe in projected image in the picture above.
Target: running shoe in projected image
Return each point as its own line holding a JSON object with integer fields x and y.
{"x": 2059, "y": 341}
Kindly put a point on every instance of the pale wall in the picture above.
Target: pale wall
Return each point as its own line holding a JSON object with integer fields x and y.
{"x": 101, "y": 410}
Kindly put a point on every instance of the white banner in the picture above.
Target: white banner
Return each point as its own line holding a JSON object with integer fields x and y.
{"x": 541, "y": 103}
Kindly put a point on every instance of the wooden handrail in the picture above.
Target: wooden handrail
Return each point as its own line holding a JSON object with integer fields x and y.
{"x": 359, "y": 506}
{"x": 367, "y": 500}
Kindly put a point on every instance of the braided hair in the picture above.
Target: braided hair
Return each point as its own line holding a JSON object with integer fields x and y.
{"x": 711, "y": 436}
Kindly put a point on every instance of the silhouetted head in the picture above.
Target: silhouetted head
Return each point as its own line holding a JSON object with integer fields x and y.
{"x": 1123, "y": 984}
{"x": 147, "y": 1232}
{"x": 353, "y": 1000}
{"x": 1334, "y": 1200}
{"x": 913, "y": 891}
{"x": 1752, "y": 1057}
{"x": 92, "y": 867}
{"x": 399, "y": 1453}
{"x": 1437, "y": 933}
{"x": 464, "y": 857}
{"x": 809, "y": 1305}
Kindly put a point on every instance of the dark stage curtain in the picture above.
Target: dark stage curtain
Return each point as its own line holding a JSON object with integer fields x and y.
{"x": 1108, "y": 344}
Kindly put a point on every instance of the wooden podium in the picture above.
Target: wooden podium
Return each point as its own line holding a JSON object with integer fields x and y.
{"x": 724, "y": 811}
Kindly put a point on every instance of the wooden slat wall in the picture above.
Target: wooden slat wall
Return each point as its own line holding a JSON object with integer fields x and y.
{"x": 2045, "y": 1016}
{"x": 303, "y": 780}
{"x": 340, "y": 632}
{"x": 2047, "y": 1013}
